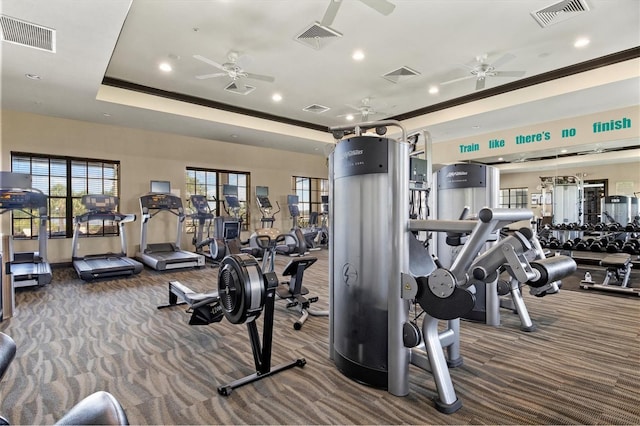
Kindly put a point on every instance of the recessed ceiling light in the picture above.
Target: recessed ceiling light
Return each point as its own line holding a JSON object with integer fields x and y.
{"x": 106, "y": 114}
{"x": 563, "y": 151}
{"x": 500, "y": 159}
{"x": 358, "y": 55}
{"x": 166, "y": 67}
{"x": 349, "y": 117}
{"x": 476, "y": 127}
{"x": 33, "y": 76}
{"x": 433, "y": 90}
{"x": 581, "y": 42}
{"x": 277, "y": 97}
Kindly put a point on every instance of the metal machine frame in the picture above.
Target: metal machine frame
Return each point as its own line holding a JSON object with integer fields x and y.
{"x": 373, "y": 274}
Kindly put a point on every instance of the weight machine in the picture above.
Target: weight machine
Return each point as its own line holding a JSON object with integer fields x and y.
{"x": 376, "y": 276}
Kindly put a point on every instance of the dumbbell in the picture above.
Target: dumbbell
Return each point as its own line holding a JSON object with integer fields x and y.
{"x": 632, "y": 246}
{"x": 614, "y": 227}
{"x": 554, "y": 243}
{"x": 600, "y": 245}
{"x": 599, "y": 227}
{"x": 615, "y": 246}
{"x": 570, "y": 244}
{"x": 584, "y": 244}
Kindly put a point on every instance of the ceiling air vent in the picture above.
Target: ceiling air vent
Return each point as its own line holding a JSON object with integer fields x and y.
{"x": 27, "y": 34}
{"x": 561, "y": 11}
{"x": 240, "y": 89}
{"x": 400, "y": 74}
{"x": 317, "y": 36}
{"x": 316, "y": 109}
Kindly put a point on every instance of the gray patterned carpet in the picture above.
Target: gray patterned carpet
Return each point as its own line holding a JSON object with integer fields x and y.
{"x": 582, "y": 365}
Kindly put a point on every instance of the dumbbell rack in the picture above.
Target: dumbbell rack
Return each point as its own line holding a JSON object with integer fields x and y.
{"x": 599, "y": 240}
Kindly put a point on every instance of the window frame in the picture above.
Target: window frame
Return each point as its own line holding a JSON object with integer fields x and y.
{"x": 516, "y": 198}
{"x": 309, "y": 196}
{"x": 240, "y": 179}
{"x": 65, "y": 199}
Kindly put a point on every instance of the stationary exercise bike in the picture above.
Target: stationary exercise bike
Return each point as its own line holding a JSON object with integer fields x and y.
{"x": 292, "y": 291}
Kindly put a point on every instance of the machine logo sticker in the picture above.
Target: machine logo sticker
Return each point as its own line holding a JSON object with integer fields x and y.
{"x": 456, "y": 173}
{"x": 349, "y": 274}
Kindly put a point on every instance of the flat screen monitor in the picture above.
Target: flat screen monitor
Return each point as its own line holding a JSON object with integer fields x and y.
{"x": 292, "y": 199}
{"x": 160, "y": 186}
{"x": 262, "y": 191}
{"x": 229, "y": 190}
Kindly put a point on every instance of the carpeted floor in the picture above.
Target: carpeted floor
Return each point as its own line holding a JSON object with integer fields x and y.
{"x": 580, "y": 367}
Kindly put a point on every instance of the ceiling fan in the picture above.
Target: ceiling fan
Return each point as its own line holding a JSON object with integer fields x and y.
{"x": 382, "y": 6}
{"x": 233, "y": 68}
{"x": 482, "y": 69}
{"x": 365, "y": 109}
{"x": 318, "y": 34}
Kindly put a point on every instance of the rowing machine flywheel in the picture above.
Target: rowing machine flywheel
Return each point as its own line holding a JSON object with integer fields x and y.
{"x": 241, "y": 288}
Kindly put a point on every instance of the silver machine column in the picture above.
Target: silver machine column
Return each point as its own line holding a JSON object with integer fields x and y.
{"x": 369, "y": 250}
{"x": 460, "y": 187}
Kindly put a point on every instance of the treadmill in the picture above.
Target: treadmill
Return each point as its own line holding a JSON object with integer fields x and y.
{"x": 89, "y": 267}
{"x": 164, "y": 256}
{"x": 16, "y": 194}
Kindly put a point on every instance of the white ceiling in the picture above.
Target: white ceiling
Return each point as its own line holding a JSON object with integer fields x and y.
{"x": 126, "y": 41}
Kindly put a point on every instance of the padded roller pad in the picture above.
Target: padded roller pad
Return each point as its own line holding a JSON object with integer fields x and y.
{"x": 458, "y": 304}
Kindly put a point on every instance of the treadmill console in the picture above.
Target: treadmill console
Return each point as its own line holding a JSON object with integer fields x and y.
{"x": 161, "y": 202}
{"x": 99, "y": 203}
{"x": 11, "y": 199}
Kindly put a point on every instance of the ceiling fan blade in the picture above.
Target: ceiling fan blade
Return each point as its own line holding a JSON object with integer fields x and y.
{"x": 209, "y": 61}
{"x": 508, "y": 74}
{"x": 382, "y": 6}
{"x": 508, "y": 57}
{"x": 480, "y": 82}
{"x": 455, "y": 80}
{"x": 331, "y": 12}
{"x": 261, "y": 77}
{"x": 205, "y": 76}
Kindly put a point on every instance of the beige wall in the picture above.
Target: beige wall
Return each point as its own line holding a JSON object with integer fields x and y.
{"x": 146, "y": 156}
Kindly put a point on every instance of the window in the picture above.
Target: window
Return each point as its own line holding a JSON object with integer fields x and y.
{"x": 210, "y": 183}
{"x": 65, "y": 180}
{"x": 514, "y": 198}
{"x": 309, "y": 192}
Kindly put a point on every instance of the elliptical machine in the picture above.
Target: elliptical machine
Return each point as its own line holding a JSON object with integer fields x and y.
{"x": 204, "y": 220}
